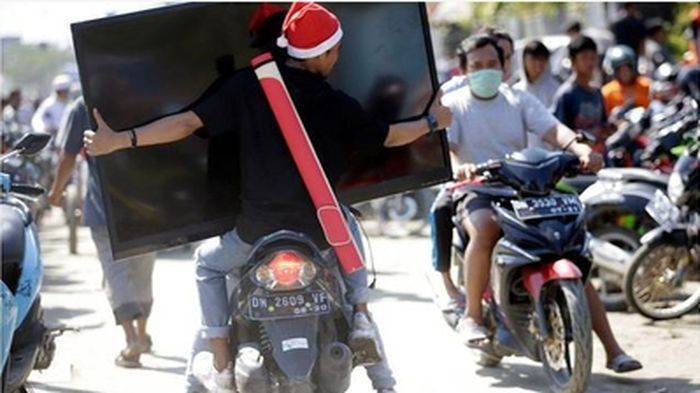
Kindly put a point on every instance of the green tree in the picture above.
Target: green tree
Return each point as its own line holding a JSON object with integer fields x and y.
{"x": 32, "y": 67}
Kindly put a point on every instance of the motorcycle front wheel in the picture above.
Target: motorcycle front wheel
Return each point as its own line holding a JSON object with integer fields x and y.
{"x": 663, "y": 280}
{"x": 566, "y": 352}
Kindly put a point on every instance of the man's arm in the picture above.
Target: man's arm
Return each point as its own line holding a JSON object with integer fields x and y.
{"x": 172, "y": 128}
{"x": 406, "y": 132}
{"x": 66, "y": 163}
{"x": 563, "y": 137}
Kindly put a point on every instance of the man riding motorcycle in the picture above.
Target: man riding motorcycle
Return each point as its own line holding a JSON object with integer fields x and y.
{"x": 620, "y": 63}
{"x": 491, "y": 120}
{"x": 273, "y": 195}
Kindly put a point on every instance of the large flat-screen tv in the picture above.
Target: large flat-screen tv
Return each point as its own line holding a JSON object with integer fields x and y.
{"x": 139, "y": 67}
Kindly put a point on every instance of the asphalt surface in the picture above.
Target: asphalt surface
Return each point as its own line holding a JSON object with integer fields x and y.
{"x": 424, "y": 352}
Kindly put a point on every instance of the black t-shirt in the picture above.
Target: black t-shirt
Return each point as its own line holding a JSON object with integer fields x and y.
{"x": 629, "y": 31}
{"x": 273, "y": 195}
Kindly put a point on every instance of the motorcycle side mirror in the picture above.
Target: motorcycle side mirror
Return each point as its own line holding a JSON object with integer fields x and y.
{"x": 32, "y": 143}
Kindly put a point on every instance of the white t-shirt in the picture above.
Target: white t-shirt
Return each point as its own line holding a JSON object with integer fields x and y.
{"x": 48, "y": 116}
{"x": 489, "y": 129}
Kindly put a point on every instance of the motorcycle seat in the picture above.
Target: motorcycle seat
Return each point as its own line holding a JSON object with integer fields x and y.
{"x": 12, "y": 234}
{"x": 640, "y": 175}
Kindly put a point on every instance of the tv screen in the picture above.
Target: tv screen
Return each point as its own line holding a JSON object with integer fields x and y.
{"x": 139, "y": 67}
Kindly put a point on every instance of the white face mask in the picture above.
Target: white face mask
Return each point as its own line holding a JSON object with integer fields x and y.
{"x": 485, "y": 83}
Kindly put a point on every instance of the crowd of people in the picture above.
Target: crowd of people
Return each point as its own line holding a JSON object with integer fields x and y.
{"x": 541, "y": 109}
{"x": 518, "y": 108}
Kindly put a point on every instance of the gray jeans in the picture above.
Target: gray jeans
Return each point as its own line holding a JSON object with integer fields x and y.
{"x": 127, "y": 282}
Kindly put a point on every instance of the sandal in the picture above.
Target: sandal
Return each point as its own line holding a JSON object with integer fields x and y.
{"x": 127, "y": 361}
{"x": 457, "y": 304}
{"x": 624, "y": 363}
{"x": 473, "y": 335}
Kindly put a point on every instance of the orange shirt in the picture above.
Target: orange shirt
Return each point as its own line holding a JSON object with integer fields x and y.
{"x": 614, "y": 94}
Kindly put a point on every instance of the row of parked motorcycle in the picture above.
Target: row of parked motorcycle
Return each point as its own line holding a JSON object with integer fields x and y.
{"x": 644, "y": 219}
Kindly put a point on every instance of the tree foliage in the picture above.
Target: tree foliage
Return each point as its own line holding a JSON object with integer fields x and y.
{"x": 32, "y": 67}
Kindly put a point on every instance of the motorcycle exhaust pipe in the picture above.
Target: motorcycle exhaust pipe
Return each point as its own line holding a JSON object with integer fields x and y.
{"x": 609, "y": 256}
{"x": 335, "y": 368}
{"x": 251, "y": 376}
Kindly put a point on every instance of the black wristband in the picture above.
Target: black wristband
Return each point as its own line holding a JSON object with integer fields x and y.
{"x": 570, "y": 143}
{"x": 134, "y": 139}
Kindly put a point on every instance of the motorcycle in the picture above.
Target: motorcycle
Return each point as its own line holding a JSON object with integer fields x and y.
{"x": 291, "y": 320}
{"x": 26, "y": 343}
{"x": 402, "y": 214}
{"x": 535, "y": 305}
{"x": 663, "y": 279}
{"x": 616, "y": 203}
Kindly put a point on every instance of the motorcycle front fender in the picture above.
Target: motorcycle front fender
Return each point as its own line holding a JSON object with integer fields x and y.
{"x": 32, "y": 274}
{"x": 631, "y": 196}
{"x": 8, "y": 323}
{"x": 677, "y": 234}
{"x": 537, "y": 275}
{"x": 294, "y": 345}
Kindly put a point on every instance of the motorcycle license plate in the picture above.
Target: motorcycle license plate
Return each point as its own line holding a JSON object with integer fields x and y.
{"x": 288, "y": 305}
{"x": 558, "y": 205}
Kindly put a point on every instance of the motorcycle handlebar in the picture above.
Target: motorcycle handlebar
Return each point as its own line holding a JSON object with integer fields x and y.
{"x": 26, "y": 189}
{"x": 487, "y": 166}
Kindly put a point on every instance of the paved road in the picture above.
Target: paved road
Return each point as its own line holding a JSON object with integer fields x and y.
{"x": 425, "y": 354}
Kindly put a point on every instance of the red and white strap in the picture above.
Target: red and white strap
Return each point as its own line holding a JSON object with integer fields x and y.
{"x": 330, "y": 215}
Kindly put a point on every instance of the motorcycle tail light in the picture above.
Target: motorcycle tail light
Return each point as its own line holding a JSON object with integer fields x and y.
{"x": 286, "y": 271}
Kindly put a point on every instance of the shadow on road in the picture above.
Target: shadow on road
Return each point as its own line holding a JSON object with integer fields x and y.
{"x": 529, "y": 377}
{"x": 55, "y": 389}
{"x": 399, "y": 296}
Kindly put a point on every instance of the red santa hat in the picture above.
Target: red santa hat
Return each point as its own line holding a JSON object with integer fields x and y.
{"x": 260, "y": 15}
{"x": 309, "y": 30}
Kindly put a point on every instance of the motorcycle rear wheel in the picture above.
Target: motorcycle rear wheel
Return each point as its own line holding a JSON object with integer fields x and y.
{"x": 651, "y": 271}
{"x": 569, "y": 321}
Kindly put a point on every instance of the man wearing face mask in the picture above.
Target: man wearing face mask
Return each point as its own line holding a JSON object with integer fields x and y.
{"x": 491, "y": 120}
{"x": 442, "y": 209}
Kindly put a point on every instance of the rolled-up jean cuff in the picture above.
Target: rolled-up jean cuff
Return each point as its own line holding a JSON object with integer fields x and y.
{"x": 358, "y": 292}
{"x": 209, "y": 332}
{"x": 128, "y": 312}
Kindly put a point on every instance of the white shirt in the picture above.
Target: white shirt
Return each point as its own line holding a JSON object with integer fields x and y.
{"x": 48, "y": 116}
{"x": 490, "y": 129}
{"x": 544, "y": 89}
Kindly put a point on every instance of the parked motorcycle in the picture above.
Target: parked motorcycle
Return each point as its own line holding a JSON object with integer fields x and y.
{"x": 291, "y": 320}
{"x": 27, "y": 344}
{"x": 663, "y": 279}
{"x": 535, "y": 305}
{"x": 400, "y": 215}
{"x": 616, "y": 203}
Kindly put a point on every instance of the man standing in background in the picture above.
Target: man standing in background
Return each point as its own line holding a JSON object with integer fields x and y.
{"x": 47, "y": 117}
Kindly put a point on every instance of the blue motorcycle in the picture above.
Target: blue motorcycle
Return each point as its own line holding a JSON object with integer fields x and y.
{"x": 26, "y": 343}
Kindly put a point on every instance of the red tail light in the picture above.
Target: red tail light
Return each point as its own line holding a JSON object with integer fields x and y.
{"x": 286, "y": 270}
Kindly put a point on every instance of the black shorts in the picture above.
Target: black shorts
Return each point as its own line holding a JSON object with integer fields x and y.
{"x": 472, "y": 202}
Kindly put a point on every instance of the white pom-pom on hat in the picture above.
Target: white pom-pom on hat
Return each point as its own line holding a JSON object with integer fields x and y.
{"x": 282, "y": 41}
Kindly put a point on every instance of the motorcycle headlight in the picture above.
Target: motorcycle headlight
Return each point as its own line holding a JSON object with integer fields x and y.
{"x": 675, "y": 187}
{"x": 285, "y": 271}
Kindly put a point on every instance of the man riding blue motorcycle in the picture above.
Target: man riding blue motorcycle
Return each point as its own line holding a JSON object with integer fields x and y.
{"x": 490, "y": 121}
